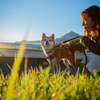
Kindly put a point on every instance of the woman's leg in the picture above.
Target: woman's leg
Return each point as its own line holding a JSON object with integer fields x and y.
{"x": 85, "y": 70}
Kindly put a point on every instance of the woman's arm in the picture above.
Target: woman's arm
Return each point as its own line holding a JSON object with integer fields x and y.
{"x": 75, "y": 47}
{"x": 93, "y": 47}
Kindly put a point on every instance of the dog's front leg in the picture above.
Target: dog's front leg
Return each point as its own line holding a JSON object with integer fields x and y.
{"x": 52, "y": 67}
{"x": 58, "y": 68}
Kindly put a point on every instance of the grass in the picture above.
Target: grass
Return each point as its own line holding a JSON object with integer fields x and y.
{"x": 39, "y": 85}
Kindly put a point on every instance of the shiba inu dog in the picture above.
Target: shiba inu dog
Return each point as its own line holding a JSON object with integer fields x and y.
{"x": 57, "y": 52}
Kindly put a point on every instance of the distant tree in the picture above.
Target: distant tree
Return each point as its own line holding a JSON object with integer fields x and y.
{"x": 75, "y": 41}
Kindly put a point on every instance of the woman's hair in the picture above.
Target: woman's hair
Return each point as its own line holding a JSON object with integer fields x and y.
{"x": 94, "y": 13}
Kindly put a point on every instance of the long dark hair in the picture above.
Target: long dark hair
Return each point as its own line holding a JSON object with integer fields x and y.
{"x": 94, "y": 13}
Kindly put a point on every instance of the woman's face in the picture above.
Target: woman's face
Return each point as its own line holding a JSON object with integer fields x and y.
{"x": 87, "y": 21}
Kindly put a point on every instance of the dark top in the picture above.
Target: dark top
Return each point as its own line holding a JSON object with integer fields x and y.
{"x": 91, "y": 44}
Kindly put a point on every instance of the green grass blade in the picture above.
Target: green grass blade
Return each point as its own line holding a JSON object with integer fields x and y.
{"x": 15, "y": 69}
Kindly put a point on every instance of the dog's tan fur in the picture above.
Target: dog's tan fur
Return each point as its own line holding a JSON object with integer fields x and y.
{"x": 56, "y": 53}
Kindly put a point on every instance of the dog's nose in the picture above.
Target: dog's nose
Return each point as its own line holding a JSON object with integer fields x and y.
{"x": 47, "y": 43}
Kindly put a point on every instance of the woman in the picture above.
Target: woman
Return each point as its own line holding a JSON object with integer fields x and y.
{"x": 90, "y": 18}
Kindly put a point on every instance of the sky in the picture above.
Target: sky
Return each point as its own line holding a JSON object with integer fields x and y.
{"x": 28, "y": 19}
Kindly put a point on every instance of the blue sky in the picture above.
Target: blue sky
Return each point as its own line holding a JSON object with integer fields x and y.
{"x": 28, "y": 19}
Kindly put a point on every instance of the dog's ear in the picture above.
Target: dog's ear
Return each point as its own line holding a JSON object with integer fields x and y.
{"x": 52, "y": 36}
{"x": 43, "y": 35}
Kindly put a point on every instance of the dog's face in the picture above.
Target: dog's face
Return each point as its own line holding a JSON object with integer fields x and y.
{"x": 47, "y": 43}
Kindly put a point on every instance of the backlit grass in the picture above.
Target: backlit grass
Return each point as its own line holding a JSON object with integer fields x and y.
{"x": 39, "y": 85}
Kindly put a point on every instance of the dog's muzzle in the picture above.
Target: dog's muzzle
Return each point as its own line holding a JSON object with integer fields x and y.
{"x": 47, "y": 43}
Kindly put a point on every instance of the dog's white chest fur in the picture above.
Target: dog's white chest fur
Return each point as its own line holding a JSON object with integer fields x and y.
{"x": 54, "y": 60}
{"x": 48, "y": 54}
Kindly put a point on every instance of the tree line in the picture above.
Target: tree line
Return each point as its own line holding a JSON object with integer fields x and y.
{"x": 75, "y": 41}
